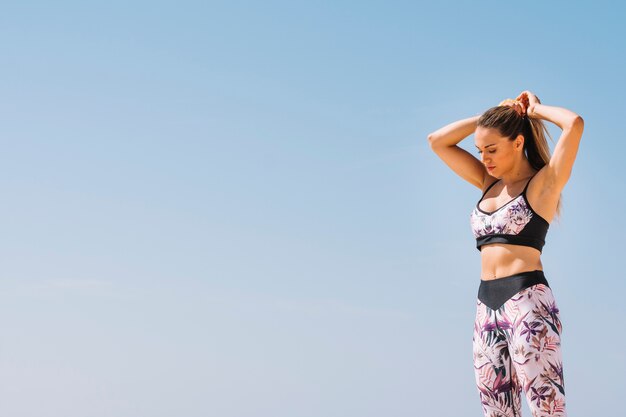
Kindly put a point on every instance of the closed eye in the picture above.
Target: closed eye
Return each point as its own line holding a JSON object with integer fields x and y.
{"x": 487, "y": 151}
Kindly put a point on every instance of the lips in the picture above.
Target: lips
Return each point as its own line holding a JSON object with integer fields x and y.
{"x": 490, "y": 168}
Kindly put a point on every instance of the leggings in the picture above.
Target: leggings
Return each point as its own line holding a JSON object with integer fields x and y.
{"x": 517, "y": 346}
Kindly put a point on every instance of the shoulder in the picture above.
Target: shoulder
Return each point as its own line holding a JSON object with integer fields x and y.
{"x": 542, "y": 182}
{"x": 543, "y": 194}
{"x": 488, "y": 182}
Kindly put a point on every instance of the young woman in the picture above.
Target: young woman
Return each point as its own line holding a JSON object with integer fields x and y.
{"x": 517, "y": 329}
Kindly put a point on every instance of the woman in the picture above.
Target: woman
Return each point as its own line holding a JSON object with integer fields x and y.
{"x": 517, "y": 329}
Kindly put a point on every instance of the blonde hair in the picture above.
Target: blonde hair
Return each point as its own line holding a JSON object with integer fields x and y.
{"x": 509, "y": 124}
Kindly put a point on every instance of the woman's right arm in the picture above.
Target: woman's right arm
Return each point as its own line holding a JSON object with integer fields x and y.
{"x": 444, "y": 143}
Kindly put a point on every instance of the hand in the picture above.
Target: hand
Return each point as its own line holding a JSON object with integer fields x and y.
{"x": 517, "y": 105}
{"x": 528, "y": 100}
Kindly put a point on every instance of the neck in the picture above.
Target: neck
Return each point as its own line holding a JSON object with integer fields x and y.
{"x": 519, "y": 172}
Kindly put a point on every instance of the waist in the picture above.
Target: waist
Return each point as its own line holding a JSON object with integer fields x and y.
{"x": 495, "y": 292}
{"x": 517, "y": 281}
{"x": 536, "y": 274}
{"x": 503, "y": 260}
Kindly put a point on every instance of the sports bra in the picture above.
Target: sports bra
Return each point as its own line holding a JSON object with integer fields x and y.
{"x": 515, "y": 223}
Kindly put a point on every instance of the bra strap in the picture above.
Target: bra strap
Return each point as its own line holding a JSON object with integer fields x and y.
{"x": 527, "y": 183}
{"x": 489, "y": 188}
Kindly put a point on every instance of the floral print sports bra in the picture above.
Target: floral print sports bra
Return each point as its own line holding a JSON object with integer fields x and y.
{"x": 515, "y": 223}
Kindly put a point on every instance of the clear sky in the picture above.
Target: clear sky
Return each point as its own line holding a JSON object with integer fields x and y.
{"x": 230, "y": 209}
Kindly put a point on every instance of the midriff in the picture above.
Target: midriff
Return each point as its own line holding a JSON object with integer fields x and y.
{"x": 500, "y": 260}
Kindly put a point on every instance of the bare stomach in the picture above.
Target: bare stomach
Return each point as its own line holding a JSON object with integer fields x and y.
{"x": 500, "y": 260}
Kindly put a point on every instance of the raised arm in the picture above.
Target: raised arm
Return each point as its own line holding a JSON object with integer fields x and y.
{"x": 564, "y": 155}
{"x": 444, "y": 143}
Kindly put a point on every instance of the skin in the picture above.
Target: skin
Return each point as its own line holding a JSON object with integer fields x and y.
{"x": 512, "y": 167}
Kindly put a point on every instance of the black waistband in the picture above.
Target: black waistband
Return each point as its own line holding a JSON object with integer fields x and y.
{"x": 495, "y": 292}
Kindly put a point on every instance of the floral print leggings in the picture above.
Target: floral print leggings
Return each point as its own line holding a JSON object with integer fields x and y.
{"x": 517, "y": 347}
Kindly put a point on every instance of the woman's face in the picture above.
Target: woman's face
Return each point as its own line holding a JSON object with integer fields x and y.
{"x": 496, "y": 152}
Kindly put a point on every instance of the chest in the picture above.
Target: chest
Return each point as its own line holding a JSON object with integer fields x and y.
{"x": 510, "y": 218}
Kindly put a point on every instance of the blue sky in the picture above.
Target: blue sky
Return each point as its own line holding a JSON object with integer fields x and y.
{"x": 230, "y": 208}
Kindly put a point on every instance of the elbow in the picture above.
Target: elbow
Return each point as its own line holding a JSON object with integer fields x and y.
{"x": 578, "y": 123}
{"x": 431, "y": 140}
{"x": 579, "y": 120}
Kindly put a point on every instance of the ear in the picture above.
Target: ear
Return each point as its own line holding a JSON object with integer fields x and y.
{"x": 519, "y": 142}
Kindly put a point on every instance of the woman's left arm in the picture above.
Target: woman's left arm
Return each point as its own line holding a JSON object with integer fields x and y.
{"x": 562, "y": 160}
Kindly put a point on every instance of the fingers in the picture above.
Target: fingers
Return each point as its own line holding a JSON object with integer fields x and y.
{"x": 530, "y": 97}
{"x": 524, "y": 97}
{"x": 520, "y": 104}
